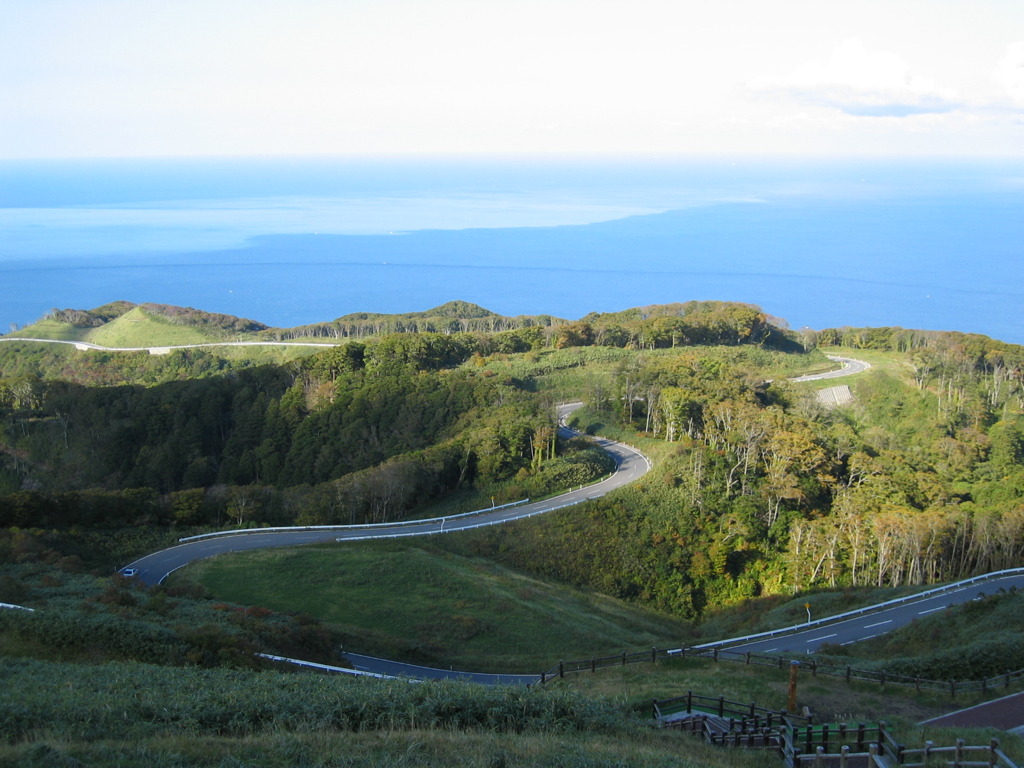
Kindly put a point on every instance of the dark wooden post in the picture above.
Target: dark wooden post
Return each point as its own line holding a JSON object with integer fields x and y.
{"x": 847, "y": 673}
{"x": 561, "y": 669}
{"x": 791, "y": 701}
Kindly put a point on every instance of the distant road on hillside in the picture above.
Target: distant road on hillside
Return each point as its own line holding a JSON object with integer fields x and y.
{"x": 849, "y": 368}
{"x": 165, "y": 348}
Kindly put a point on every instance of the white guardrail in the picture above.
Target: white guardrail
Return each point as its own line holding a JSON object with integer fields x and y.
{"x": 469, "y": 527}
{"x": 329, "y": 668}
{"x": 280, "y": 529}
{"x": 14, "y": 607}
{"x": 952, "y": 587}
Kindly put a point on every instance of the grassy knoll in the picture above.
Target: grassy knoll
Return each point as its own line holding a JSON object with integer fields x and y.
{"x": 417, "y": 602}
{"x": 139, "y": 328}
{"x": 50, "y": 328}
{"x": 135, "y": 328}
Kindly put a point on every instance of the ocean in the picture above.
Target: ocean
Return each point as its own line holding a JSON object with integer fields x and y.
{"x": 930, "y": 244}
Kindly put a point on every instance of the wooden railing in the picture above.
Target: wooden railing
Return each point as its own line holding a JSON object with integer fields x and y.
{"x": 804, "y": 744}
{"x": 959, "y": 755}
{"x": 746, "y": 714}
{"x": 847, "y": 672}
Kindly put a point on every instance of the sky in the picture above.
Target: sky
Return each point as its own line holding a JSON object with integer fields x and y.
{"x": 109, "y": 78}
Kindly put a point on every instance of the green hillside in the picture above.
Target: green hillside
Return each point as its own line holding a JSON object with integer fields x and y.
{"x": 131, "y": 326}
{"x": 760, "y": 499}
{"x": 442, "y": 609}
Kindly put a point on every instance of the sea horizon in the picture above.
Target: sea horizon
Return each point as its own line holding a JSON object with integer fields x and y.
{"x": 928, "y": 244}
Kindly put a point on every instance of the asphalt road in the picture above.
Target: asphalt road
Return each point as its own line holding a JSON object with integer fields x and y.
{"x": 399, "y": 669}
{"x": 630, "y": 465}
{"x": 797, "y": 640}
{"x": 849, "y": 368}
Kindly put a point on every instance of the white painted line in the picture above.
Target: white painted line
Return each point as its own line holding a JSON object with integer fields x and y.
{"x": 826, "y": 637}
{"x": 931, "y": 610}
{"x": 869, "y": 626}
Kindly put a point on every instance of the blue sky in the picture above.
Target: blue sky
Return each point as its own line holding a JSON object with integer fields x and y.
{"x": 87, "y": 78}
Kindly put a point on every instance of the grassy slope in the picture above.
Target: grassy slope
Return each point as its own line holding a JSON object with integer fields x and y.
{"x": 48, "y": 328}
{"x": 135, "y": 328}
{"x": 138, "y": 328}
{"x": 420, "y": 603}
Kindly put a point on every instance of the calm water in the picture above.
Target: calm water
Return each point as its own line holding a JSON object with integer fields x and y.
{"x": 933, "y": 245}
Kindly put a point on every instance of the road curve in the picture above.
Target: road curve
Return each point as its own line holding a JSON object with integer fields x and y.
{"x": 630, "y": 464}
{"x": 874, "y": 621}
{"x": 849, "y": 368}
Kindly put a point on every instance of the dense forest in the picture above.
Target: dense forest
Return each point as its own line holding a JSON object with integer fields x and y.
{"x": 757, "y": 489}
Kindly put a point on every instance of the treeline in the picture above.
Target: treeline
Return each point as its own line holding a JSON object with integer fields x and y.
{"x": 90, "y": 318}
{"x": 760, "y": 490}
{"x": 357, "y": 433}
{"x": 453, "y": 317}
{"x": 653, "y": 327}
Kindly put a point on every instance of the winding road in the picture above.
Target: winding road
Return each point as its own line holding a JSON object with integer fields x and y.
{"x": 630, "y": 464}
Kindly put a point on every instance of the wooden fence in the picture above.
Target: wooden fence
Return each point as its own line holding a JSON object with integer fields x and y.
{"x": 816, "y": 668}
{"x": 804, "y": 744}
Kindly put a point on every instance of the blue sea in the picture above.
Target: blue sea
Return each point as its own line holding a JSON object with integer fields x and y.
{"x": 931, "y": 244}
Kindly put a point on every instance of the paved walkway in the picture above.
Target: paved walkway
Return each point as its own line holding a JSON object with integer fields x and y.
{"x": 1006, "y": 714}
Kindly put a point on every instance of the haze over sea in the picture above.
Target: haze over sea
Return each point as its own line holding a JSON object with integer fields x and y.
{"x": 821, "y": 243}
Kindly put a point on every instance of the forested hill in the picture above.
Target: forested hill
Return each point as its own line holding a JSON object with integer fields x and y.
{"x": 757, "y": 489}
{"x": 696, "y": 322}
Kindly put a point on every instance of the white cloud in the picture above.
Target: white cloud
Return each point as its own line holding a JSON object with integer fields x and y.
{"x": 862, "y": 83}
{"x": 1009, "y": 73}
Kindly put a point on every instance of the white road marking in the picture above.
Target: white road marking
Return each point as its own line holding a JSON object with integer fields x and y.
{"x": 931, "y": 610}
{"x": 887, "y": 621}
{"x": 826, "y": 637}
